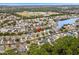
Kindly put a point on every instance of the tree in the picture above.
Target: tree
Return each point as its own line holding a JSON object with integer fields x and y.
{"x": 48, "y": 48}
{"x": 36, "y": 50}
{"x": 66, "y": 46}
{"x": 10, "y": 51}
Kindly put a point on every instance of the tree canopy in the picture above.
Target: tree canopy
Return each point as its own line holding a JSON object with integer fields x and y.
{"x": 67, "y": 45}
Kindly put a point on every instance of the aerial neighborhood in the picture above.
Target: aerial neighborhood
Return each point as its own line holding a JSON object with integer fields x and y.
{"x": 20, "y": 29}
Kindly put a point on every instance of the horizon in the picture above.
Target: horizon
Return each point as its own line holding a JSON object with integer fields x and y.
{"x": 21, "y": 4}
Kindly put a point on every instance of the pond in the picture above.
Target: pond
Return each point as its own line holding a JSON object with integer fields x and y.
{"x": 67, "y": 21}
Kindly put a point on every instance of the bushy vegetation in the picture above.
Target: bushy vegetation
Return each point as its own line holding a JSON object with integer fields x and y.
{"x": 10, "y": 33}
{"x": 63, "y": 46}
{"x": 67, "y": 45}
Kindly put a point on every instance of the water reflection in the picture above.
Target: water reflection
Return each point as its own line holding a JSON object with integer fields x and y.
{"x": 68, "y": 21}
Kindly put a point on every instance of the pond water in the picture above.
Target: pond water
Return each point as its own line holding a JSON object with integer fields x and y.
{"x": 67, "y": 21}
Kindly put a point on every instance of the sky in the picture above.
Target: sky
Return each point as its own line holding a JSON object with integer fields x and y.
{"x": 15, "y": 4}
{"x": 39, "y": 1}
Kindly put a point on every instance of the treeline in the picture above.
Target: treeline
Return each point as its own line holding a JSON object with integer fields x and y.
{"x": 45, "y": 9}
{"x": 11, "y": 33}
